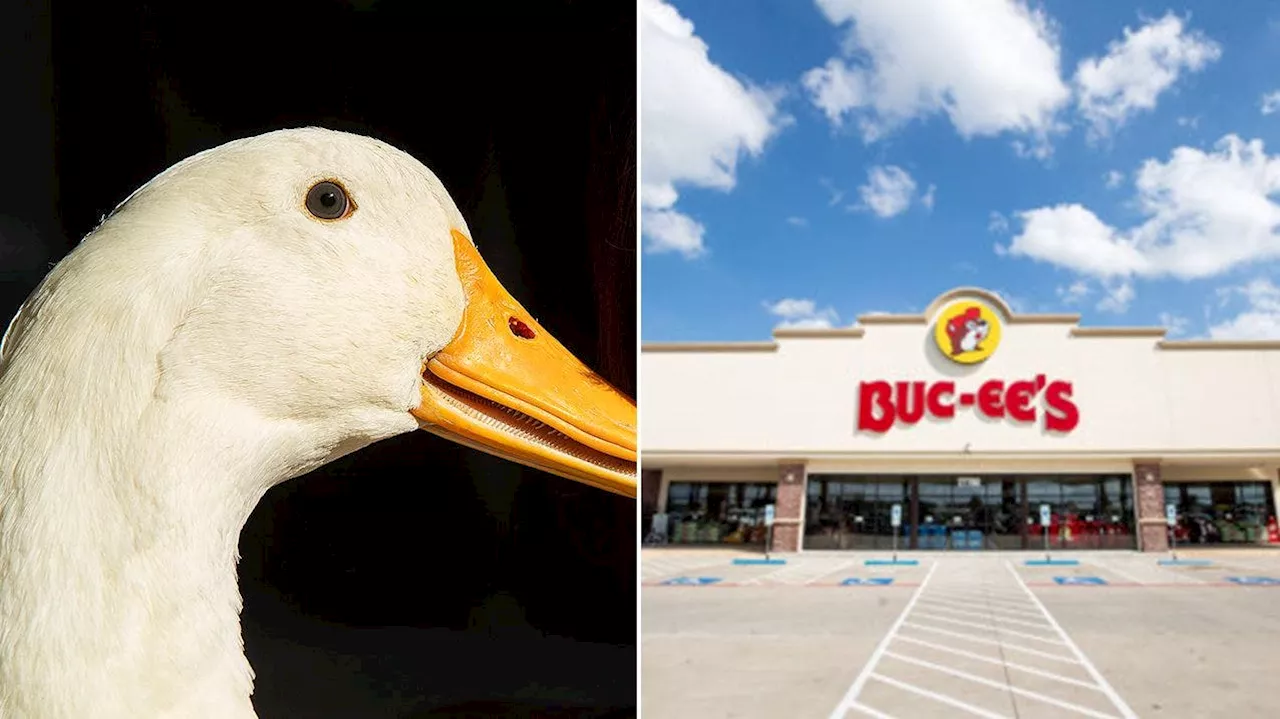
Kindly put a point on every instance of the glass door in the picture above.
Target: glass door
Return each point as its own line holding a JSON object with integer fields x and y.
{"x": 967, "y": 512}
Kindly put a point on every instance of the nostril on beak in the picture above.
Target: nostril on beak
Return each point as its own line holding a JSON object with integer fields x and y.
{"x": 520, "y": 329}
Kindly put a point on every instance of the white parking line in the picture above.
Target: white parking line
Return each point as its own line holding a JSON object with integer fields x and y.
{"x": 998, "y": 662}
{"x": 766, "y": 575}
{"x": 856, "y": 688}
{"x": 936, "y": 602}
{"x": 975, "y": 625}
{"x": 986, "y": 615}
{"x": 671, "y": 567}
{"x": 869, "y": 711}
{"x": 1096, "y": 675}
{"x": 979, "y": 711}
{"x": 1110, "y": 567}
{"x": 978, "y": 597}
{"x": 997, "y": 685}
{"x": 838, "y": 568}
{"x": 984, "y": 640}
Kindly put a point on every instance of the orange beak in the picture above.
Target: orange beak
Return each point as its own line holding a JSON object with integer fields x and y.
{"x": 505, "y": 386}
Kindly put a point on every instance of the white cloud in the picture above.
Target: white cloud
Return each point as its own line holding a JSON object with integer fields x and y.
{"x": 888, "y": 191}
{"x": 1175, "y": 324}
{"x": 991, "y": 66}
{"x": 1118, "y": 295}
{"x": 1136, "y": 70}
{"x": 997, "y": 223}
{"x": 1074, "y": 293}
{"x": 797, "y": 222}
{"x": 1270, "y": 102}
{"x": 698, "y": 121}
{"x": 1191, "y": 122}
{"x": 1207, "y": 212}
{"x": 1113, "y": 179}
{"x": 671, "y": 231}
{"x": 1260, "y": 319}
{"x": 802, "y": 314}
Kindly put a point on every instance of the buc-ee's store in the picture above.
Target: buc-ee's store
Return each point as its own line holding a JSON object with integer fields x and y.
{"x": 969, "y": 417}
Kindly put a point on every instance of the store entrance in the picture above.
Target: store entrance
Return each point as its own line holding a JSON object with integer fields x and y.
{"x": 970, "y": 512}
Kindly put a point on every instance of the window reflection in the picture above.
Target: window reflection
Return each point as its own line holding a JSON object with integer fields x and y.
{"x": 1221, "y": 512}
{"x": 970, "y": 512}
{"x": 718, "y": 512}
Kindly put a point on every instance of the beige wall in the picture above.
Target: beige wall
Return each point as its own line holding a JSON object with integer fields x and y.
{"x": 1137, "y": 399}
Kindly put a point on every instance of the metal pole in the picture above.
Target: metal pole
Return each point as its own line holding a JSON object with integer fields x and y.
{"x": 768, "y": 542}
{"x": 1173, "y": 538}
{"x": 895, "y": 545}
{"x": 1046, "y": 542}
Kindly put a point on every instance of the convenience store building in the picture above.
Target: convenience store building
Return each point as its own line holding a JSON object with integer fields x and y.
{"x": 970, "y": 417}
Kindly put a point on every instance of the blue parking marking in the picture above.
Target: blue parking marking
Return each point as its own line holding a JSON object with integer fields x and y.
{"x": 891, "y": 562}
{"x": 1097, "y": 581}
{"x": 740, "y": 560}
{"x": 1052, "y": 562}
{"x": 867, "y": 582}
{"x": 691, "y": 581}
{"x": 1255, "y": 581}
{"x": 1185, "y": 562}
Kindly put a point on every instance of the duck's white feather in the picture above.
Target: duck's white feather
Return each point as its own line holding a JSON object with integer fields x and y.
{"x": 206, "y": 342}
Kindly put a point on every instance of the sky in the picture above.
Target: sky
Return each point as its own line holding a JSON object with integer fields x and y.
{"x": 804, "y": 162}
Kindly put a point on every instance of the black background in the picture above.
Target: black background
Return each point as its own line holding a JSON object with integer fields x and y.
{"x": 414, "y": 578}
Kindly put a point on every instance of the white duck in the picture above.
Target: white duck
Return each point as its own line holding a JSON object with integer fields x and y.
{"x": 252, "y": 313}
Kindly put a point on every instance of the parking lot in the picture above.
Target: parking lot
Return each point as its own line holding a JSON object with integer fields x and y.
{"x": 1115, "y": 634}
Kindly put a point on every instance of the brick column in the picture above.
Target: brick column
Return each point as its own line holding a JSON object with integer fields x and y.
{"x": 650, "y": 487}
{"x": 788, "y": 512}
{"x": 1148, "y": 493}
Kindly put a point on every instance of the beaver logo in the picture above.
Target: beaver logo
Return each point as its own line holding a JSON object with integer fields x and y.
{"x": 967, "y": 331}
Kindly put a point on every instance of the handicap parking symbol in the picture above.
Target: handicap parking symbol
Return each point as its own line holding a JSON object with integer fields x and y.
{"x": 691, "y": 581}
{"x": 1080, "y": 580}
{"x": 1255, "y": 581}
{"x": 867, "y": 582}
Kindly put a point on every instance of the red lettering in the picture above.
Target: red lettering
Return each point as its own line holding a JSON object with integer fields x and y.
{"x": 1061, "y": 413}
{"x": 873, "y": 395}
{"x": 938, "y": 407}
{"x": 910, "y": 402}
{"x": 1018, "y": 401}
{"x": 881, "y": 404}
{"x": 989, "y": 398}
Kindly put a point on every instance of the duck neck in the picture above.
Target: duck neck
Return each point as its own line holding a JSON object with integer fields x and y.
{"x": 119, "y": 526}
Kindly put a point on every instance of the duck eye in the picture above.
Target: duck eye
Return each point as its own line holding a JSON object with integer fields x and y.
{"x": 327, "y": 200}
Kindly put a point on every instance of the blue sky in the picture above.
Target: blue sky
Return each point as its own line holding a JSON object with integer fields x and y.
{"x": 807, "y": 161}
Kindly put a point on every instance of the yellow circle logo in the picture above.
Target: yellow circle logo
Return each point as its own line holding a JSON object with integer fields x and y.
{"x": 967, "y": 331}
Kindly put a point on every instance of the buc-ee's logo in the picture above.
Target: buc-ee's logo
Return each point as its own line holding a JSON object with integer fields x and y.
{"x": 967, "y": 332}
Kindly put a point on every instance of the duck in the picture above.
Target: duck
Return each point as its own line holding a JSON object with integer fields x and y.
{"x": 253, "y": 312}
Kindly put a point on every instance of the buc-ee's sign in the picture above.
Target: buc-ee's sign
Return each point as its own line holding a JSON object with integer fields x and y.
{"x": 967, "y": 332}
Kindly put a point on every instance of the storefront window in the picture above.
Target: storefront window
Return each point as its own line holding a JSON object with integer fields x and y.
{"x": 718, "y": 512}
{"x": 1221, "y": 512}
{"x": 967, "y": 512}
{"x": 853, "y": 511}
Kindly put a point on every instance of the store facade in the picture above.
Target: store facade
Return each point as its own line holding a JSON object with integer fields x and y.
{"x": 970, "y": 418}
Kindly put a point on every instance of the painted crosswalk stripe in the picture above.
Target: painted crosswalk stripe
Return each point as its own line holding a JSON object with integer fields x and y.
{"x": 1107, "y": 689}
{"x": 993, "y": 642}
{"x": 998, "y": 662}
{"x": 943, "y": 698}
{"x": 1002, "y": 686}
{"x": 999, "y": 617}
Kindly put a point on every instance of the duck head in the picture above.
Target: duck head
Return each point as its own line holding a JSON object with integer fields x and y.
{"x": 327, "y": 280}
